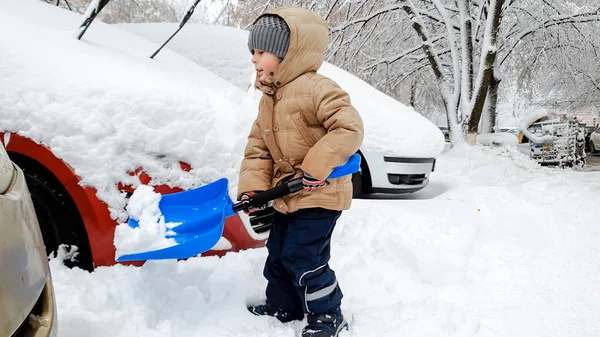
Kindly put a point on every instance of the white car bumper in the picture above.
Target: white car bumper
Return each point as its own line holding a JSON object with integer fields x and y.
{"x": 391, "y": 174}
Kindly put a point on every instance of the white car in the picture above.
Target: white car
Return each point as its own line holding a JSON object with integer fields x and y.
{"x": 26, "y": 291}
{"x": 595, "y": 140}
{"x": 401, "y": 162}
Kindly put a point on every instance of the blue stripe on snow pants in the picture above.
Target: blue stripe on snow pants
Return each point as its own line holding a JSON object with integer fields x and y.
{"x": 297, "y": 269}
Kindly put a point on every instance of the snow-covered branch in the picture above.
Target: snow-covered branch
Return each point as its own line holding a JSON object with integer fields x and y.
{"x": 364, "y": 19}
{"x": 518, "y": 35}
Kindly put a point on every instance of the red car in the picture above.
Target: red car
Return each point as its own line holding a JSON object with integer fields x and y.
{"x": 72, "y": 214}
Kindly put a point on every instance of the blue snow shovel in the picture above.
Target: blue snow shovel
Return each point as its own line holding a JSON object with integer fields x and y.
{"x": 202, "y": 211}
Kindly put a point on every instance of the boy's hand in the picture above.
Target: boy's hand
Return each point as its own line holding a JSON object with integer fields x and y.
{"x": 245, "y": 199}
{"x": 310, "y": 184}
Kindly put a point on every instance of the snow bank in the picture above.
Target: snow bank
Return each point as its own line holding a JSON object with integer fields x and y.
{"x": 390, "y": 127}
{"x": 497, "y": 139}
{"x": 503, "y": 249}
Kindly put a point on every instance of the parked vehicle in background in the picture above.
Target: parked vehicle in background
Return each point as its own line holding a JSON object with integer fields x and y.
{"x": 27, "y": 306}
{"x": 511, "y": 130}
{"x": 594, "y": 140}
{"x": 553, "y": 139}
{"x": 446, "y": 133}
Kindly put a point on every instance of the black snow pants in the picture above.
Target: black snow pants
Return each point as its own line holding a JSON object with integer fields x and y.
{"x": 297, "y": 269}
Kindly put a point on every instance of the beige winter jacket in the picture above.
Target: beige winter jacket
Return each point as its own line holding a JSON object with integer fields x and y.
{"x": 305, "y": 123}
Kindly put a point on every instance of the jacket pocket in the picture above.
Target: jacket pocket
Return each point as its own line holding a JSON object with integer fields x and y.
{"x": 302, "y": 127}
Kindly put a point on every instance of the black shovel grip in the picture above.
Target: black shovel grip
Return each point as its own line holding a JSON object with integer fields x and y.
{"x": 276, "y": 192}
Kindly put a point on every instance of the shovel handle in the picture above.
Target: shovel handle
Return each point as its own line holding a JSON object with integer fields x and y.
{"x": 295, "y": 185}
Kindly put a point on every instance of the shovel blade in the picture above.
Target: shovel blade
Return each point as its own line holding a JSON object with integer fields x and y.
{"x": 191, "y": 245}
{"x": 201, "y": 213}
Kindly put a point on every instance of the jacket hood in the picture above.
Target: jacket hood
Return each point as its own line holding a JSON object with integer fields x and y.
{"x": 308, "y": 42}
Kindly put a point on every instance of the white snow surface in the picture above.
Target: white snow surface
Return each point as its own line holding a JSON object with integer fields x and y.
{"x": 391, "y": 127}
{"x": 152, "y": 228}
{"x": 497, "y": 139}
{"x": 495, "y": 246}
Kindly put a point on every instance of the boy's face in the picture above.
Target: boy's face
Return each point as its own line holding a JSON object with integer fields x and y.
{"x": 264, "y": 63}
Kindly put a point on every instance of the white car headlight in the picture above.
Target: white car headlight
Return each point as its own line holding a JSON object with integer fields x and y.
{"x": 6, "y": 170}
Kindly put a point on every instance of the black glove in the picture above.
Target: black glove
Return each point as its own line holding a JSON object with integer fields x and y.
{"x": 245, "y": 199}
{"x": 310, "y": 184}
{"x": 261, "y": 221}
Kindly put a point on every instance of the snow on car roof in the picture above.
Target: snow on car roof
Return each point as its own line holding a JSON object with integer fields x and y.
{"x": 390, "y": 126}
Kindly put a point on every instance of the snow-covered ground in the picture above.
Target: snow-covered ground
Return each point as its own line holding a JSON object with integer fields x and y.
{"x": 495, "y": 246}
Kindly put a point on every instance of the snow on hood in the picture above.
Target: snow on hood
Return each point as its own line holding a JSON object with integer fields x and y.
{"x": 105, "y": 108}
{"x": 390, "y": 127}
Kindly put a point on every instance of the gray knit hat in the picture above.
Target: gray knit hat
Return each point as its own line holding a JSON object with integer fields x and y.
{"x": 270, "y": 33}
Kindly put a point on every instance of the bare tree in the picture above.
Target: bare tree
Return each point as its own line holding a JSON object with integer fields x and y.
{"x": 553, "y": 55}
{"x": 458, "y": 43}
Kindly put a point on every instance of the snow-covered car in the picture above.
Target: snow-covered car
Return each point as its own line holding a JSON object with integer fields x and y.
{"x": 26, "y": 291}
{"x": 90, "y": 120}
{"x": 594, "y": 141}
{"x": 511, "y": 130}
{"x": 400, "y": 145}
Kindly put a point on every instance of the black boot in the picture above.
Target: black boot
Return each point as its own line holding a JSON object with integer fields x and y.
{"x": 325, "y": 325}
{"x": 282, "y": 315}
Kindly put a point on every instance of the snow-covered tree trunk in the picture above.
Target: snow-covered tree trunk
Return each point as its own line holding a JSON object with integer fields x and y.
{"x": 491, "y": 105}
{"x": 485, "y": 73}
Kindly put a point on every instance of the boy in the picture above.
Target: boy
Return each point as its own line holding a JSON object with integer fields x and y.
{"x": 305, "y": 127}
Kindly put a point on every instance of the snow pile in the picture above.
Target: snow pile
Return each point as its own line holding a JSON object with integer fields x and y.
{"x": 390, "y": 127}
{"x": 500, "y": 247}
{"x": 497, "y": 139}
{"x": 152, "y": 229}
